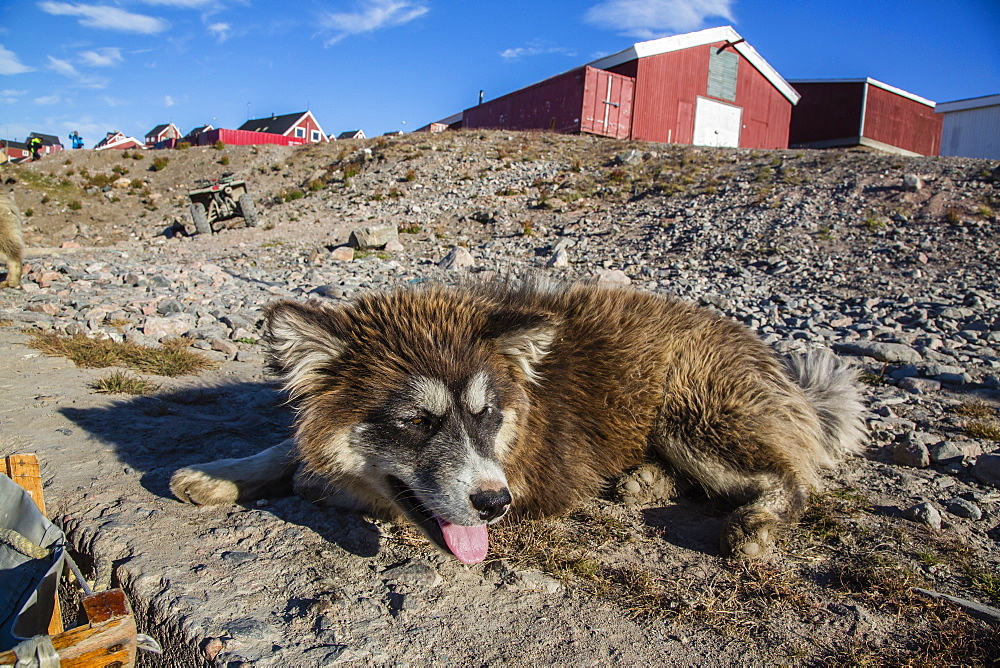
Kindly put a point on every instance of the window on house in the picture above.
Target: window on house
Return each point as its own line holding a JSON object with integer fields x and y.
{"x": 722, "y": 67}
{"x": 300, "y": 133}
{"x": 315, "y": 135}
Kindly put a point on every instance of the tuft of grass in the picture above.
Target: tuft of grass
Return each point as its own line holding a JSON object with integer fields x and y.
{"x": 411, "y": 175}
{"x": 219, "y": 145}
{"x": 174, "y": 358}
{"x": 74, "y": 205}
{"x": 873, "y": 223}
{"x": 976, "y": 409}
{"x": 987, "y": 430}
{"x": 160, "y": 163}
{"x": 224, "y": 160}
{"x": 985, "y": 211}
{"x": 408, "y": 229}
{"x": 121, "y": 382}
{"x": 183, "y": 146}
{"x": 289, "y": 195}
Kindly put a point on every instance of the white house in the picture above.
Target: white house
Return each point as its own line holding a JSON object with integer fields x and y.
{"x": 971, "y": 127}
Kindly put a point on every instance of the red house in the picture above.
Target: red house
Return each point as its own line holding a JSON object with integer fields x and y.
{"x": 50, "y": 143}
{"x": 864, "y": 112}
{"x": 709, "y": 88}
{"x": 302, "y": 127}
{"x": 163, "y": 136}
{"x": 13, "y": 151}
{"x": 117, "y": 140}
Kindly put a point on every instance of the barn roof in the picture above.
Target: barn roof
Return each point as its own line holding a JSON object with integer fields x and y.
{"x": 47, "y": 140}
{"x": 689, "y": 40}
{"x": 870, "y": 82}
{"x": 968, "y": 103}
{"x": 278, "y": 125}
{"x": 158, "y": 129}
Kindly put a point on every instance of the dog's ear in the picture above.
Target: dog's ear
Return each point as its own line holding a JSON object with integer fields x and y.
{"x": 524, "y": 338}
{"x": 302, "y": 339}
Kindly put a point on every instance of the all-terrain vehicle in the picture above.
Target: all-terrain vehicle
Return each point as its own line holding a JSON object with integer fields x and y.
{"x": 219, "y": 200}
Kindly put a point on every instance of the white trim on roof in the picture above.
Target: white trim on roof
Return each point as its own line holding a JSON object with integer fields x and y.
{"x": 655, "y": 47}
{"x": 968, "y": 103}
{"x": 870, "y": 82}
{"x": 319, "y": 127}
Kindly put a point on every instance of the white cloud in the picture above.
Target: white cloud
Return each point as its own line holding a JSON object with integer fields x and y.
{"x": 533, "y": 50}
{"x": 374, "y": 15}
{"x": 102, "y": 57}
{"x": 168, "y": 101}
{"x": 63, "y": 67}
{"x": 183, "y": 4}
{"x": 11, "y": 64}
{"x": 109, "y": 18}
{"x": 114, "y": 101}
{"x": 48, "y": 99}
{"x": 647, "y": 19}
{"x": 220, "y": 30}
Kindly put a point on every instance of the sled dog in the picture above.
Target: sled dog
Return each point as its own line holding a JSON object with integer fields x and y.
{"x": 455, "y": 406}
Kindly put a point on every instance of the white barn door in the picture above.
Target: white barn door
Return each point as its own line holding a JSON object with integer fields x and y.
{"x": 716, "y": 124}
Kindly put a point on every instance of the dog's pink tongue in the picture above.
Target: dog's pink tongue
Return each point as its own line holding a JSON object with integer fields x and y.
{"x": 468, "y": 544}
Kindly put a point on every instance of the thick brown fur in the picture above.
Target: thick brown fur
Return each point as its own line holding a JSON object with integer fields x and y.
{"x": 592, "y": 382}
{"x": 11, "y": 243}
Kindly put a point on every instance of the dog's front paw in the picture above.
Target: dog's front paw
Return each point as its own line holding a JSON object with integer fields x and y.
{"x": 749, "y": 533}
{"x": 646, "y": 484}
{"x": 192, "y": 485}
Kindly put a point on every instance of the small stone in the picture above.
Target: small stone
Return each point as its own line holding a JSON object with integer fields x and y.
{"x": 987, "y": 469}
{"x": 559, "y": 259}
{"x": 612, "y": 277}
{"x": 342, "y": 254}
{"x": 924, "y": 513}
{"x": 224, "y": 346}
{"x": 538, "y": 581}
{"x": 945, "y": 452}
{"x": 373, "y": 236}
{"x": 630, "y": 157}
{"x": 963, "y": 508}
{"x": 920, "y": 385}
{"x": 458, "y": 258}
{"x": 911, "y": 453}
{"x": 912, "y": 183}
{"x": 893, "y": 353}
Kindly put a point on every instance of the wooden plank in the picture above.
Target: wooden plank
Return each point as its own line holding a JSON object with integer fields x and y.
{"x": 98, "y": 644}
{"x": 25, "y": 471}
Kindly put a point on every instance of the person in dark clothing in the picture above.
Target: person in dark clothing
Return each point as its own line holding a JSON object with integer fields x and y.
{"x": 35, "y": 145}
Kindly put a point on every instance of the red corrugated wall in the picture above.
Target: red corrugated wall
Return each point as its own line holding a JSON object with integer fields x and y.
{"x": 245, "y": 138}
{"x": 553, "y": 104}
{"x": 827, "y": 111}
{"x": 902, "y": 122}
{"x": 669, "y": 84}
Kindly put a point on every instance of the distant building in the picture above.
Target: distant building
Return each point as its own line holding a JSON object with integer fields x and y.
{"x": 971, "y": 128}
{"x": 117, "y": 140}
{"x": 863, "y": 112}
{"x": 192, "y": 136}
{"x": 163, "y": 136}
{"x": 351, "y": 134}
{"x": 453, "y": 122}
{"x": 13, "y": 151}
{"x": 709, "y": 88}
{"x": 301, "y": 127}
{"x": 50, "y": 143}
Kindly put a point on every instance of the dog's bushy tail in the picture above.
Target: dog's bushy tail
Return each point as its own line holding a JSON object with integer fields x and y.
{"x": 832, "y": 387}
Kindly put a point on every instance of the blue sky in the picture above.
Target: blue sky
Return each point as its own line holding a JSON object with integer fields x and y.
{"x": 383, "y": 65}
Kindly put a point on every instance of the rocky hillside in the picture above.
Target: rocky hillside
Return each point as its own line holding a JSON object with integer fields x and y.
{"x": 891, "y": 261}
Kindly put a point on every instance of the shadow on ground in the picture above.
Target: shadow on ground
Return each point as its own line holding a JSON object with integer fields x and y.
{"x": 155, "y": 435}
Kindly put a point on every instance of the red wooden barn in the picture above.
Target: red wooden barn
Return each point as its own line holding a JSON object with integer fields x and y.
{"x": 301, "y": 127}
{"x": 163, "y": 136}
{"x": 709, "y": 88}
{"x": 864, "y": 112}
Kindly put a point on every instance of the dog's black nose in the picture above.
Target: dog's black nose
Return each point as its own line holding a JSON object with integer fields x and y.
{"x": 491, "y": 503}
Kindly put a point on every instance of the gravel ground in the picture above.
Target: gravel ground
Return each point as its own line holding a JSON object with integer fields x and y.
{"x": 890, "y": 261}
